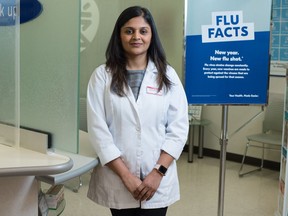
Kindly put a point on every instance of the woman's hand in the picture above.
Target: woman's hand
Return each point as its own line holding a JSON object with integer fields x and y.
{"x": 149, "y": 186}
{"x": 131, "y": 182}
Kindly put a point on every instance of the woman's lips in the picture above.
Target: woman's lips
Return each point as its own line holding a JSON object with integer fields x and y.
{"x": 136, "y": 44}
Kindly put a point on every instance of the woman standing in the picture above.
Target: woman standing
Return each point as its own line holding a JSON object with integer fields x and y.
{"x": 137, "y": 121}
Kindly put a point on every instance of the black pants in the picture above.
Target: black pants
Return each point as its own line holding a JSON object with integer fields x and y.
{"x": 139, "y": 212}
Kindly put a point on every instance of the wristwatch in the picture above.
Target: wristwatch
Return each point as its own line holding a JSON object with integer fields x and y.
{"x": 160, "y": 169}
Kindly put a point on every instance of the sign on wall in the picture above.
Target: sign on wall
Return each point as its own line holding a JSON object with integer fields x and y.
{"x": 279, "y": 39}
{"x": 29, "y": 10}
{"x": 227, "y": 51}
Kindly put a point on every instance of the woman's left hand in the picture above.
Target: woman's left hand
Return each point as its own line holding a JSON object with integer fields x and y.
{"x": 149, "y": 186}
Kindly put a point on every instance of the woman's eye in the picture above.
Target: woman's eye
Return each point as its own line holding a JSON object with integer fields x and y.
{"x": 144, "y": 31}
{"x": 129, "y": 31}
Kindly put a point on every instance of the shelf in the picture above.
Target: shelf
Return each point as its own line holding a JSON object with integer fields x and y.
{"x": 283, "y": 179}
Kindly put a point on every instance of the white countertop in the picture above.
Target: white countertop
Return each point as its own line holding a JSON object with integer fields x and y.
{"x": 81, "y": 165}
{"x": 23, "y": 162}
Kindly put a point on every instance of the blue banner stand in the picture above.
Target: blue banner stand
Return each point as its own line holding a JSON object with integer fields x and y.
{"x": 227, "y": 48}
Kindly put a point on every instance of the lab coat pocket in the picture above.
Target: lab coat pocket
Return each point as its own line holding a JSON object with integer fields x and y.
{"x": 106, "y": 188}
{"x": 102, "y": 178}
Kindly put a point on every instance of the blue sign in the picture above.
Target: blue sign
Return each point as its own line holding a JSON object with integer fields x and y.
{"x": 227, "y": 51}
{"x": 7, "y": 12}
{"x": 29, "y": 10}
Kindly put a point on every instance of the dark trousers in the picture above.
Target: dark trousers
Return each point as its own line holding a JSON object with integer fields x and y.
{"x": 139, "y": 212}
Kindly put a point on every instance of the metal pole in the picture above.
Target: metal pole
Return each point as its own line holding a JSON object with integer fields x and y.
{"x": 223, "y": 143}
{"x": 191, "y": 143}
{"x": 201, "y": 141}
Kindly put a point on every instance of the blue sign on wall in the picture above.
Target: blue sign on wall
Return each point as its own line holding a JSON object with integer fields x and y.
{"x": 227, "y": 51}
{"x": 29, "y": 10}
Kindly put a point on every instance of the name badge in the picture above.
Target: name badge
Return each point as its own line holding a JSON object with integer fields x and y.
{"x": 153, "y": 90}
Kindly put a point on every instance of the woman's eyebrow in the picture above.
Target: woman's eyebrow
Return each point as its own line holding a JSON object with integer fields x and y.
{"x": 131, "y": 27}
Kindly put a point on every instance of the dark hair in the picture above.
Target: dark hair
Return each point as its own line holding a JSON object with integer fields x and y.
{"x": 115, "y": 55}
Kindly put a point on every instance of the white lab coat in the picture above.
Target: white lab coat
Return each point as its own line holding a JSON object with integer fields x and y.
{"x": 136, "y": 132}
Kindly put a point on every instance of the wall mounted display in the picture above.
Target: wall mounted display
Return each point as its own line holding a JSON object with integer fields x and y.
{"x": 227, "y": 51}
{"x": 279, "y": 38}
{"x": 29, "y": 10}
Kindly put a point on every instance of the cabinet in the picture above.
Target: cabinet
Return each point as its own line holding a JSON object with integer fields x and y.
{"x": 283, "y": 178}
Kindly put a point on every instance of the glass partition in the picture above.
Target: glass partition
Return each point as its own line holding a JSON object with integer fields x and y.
{"x": 9, "y": 74}
{"x": 49, "y": 71}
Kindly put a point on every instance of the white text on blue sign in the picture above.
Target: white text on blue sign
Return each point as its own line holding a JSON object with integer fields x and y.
{"x": 227, "y": 26}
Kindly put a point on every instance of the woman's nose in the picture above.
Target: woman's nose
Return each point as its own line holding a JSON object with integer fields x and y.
{"x": 136, "y": 36}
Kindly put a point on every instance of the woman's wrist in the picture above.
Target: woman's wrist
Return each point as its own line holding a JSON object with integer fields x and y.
{"x": 157, "y": 173}
{"x": 160, "y": 169}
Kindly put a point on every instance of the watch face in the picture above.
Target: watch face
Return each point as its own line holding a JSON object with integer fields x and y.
{"x": 162, "y": 169}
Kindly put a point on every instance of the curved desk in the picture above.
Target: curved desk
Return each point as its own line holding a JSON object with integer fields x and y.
{"x": 25, "y": 162}
{"x": 18, "y": 185}
{"x": 81, "y": 165}
{"x": 82, "y": 162}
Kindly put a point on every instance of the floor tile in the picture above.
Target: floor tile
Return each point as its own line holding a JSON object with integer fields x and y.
{"x": 252, "y": 195}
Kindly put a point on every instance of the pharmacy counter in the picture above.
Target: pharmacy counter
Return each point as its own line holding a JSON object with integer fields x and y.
{"x": 18, "y": 185}
{"x": 23, "y": 162}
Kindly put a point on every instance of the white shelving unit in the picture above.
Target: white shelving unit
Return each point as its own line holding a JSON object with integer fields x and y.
{"x": 283, "y": 179}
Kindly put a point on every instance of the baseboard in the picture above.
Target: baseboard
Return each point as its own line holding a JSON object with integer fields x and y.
{"x": 272, "y": 165}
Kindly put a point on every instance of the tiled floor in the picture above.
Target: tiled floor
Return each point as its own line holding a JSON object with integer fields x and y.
{"x": 252, "y": 195}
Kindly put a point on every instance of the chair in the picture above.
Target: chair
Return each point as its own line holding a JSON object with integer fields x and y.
{"x": 271, "y": 136}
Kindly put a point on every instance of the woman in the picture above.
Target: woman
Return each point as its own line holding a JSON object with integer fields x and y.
{"x": 137, "y": 121}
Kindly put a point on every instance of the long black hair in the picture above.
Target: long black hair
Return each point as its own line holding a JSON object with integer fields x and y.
{"x": 115, "y": 55}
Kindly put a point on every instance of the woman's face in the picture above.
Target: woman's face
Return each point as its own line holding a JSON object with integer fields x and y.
{"x": 136, "y": 36}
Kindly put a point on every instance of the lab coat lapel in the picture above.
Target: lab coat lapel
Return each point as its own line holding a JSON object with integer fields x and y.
{"x": 131, "y": 97}
{"x": 134, "y": 106}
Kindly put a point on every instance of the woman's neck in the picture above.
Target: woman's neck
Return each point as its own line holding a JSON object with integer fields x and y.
{"x": 139, "y": 63}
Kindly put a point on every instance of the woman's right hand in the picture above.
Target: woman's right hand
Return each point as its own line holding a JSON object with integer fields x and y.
{"x": 132, "y": 183}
